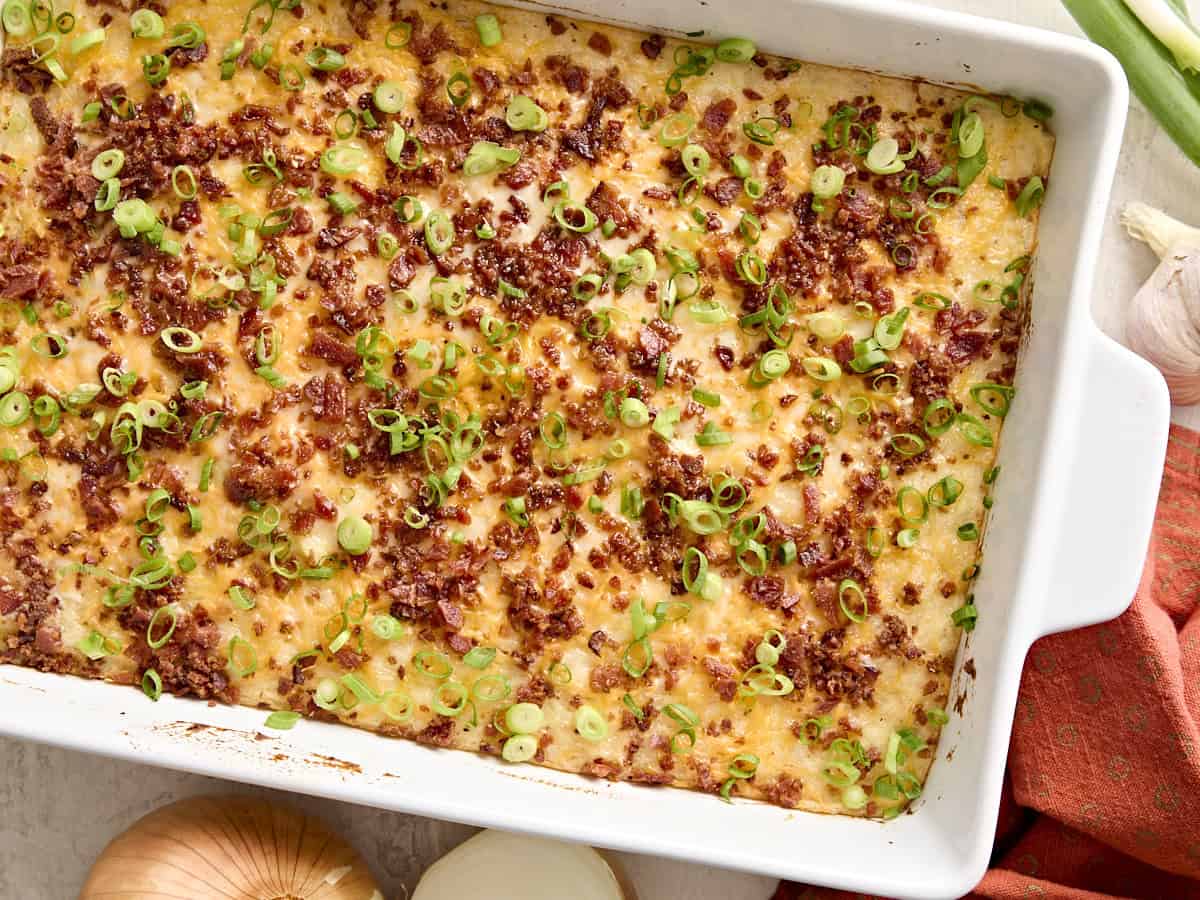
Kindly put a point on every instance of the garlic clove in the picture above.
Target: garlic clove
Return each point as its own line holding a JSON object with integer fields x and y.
{"x": 229, "y": 847}
{"x": 1163, "y": 323}
{"x": 503, "y": 866}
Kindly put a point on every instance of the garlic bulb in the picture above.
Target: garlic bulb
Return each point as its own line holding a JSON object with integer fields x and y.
{"x": 1163, "y": 321}
{"x": 502, "y": 866}
{"x": 229, "y": 847}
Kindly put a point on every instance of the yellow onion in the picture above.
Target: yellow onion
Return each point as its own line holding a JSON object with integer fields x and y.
{"x": 229, "y": 847}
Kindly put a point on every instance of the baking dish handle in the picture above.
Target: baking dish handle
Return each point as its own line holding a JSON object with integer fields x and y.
{"x": 1113, "y": 493}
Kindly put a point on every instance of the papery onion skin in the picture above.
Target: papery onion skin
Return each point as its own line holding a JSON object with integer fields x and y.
{"x": 229, "y": 846}
{"x": 1163, "y": 320}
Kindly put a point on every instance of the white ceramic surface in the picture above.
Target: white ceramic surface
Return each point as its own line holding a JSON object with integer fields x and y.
{"x": 1088, "y": 414}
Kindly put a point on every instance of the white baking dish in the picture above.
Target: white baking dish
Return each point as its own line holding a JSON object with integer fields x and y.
{"x": 1082, "y": 458}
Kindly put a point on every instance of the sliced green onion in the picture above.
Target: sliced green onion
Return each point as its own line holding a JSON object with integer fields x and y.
{"x": 458, "y": 88}
{"x": 50, "y": 345}
{"x": 354, "y": 535}
{"x": 14, "y": 409}
{"x": 917, "y": 515}
{"x": 1031, "y": 196}
{"x": 676, "y": 129}
{"x": 16, "y": 18}
{"x": 156, "y": 67}
{"x": 993, "y": 398}
{"x": 164, "y": 634}
{"x": 736, "y": 50}
{"x": 883, "y": 157}
{"x": 634, "y": 413}
{"x": 889, "y": 330}
{"x": 343, "y": 159}
{"x": 291, "y": 78}
{"x": 966, "y": 616}
{"x": 523, "y": 114}
{"x": 827, "y": 182}
{"x": 182, "y": 340}
{"x": 712, "y": 436}
{"x": 439, "y": 233}
{"x": 488, "y": 27}
{"x": 486, "y": 157}
{"x": 701, "y": 516}
{"x": 398, "y": 35}
{"x": 480, "y": 657}
{"x": 852, "y": 600}
{"x": 575, "y": 217}
{"x": 974, "y": 430}
{"x": 944, "y": 492}
{"x": 388, "y": 97}
{"x": 524, "y": 718}
{"x": 590, "y": 724}
{"x": 762, "y": 130}
{"x": 408, "y": 209}
{"x": 520, "y": 748}
{"x": 324, "y": 59}
{"x": 771, "y": 365}
{"x": 822, "y": 368}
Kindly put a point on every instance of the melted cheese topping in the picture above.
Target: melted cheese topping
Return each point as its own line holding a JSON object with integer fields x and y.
{"x": 853, "y": 691}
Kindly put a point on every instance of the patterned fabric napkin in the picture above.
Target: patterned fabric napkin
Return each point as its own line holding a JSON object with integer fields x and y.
{"x": 1102, "y": 794}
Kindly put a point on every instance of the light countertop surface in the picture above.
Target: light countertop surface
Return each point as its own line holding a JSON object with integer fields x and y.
{"x": 61, "y": 807}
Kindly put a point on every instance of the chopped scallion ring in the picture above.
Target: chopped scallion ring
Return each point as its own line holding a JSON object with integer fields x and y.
{"x": 519, "y": 748}
{"x": 480, "y": 657}
{"x": 343, "y": 159}
{"x": 944, "y": 492}
{"x": 827, "y": 182}
{"x": 575, "y": 217}
{"x": 355, "y": 534}
{"x": 324, "y": 59}
{"x": 458, "y": 88}
{"x": 485, "y": 157}
{"x": 439, "y": 233}
{"x": 182, "y": 340}
{"x": 676, "y": 129}
{"x": 168, "y": 613}
{"x": 966, "y": 616}
{"x": 590, "y": 724}
{"x": 884, "y": 157}
{"x": 822, "y": 368}
{"x": 16, "y": 18}
{"x": 736, "y": 50}
{"x": 905, "y": 499}
{"x": 488, "y": 27}
{"x": 1031, "y": 196}
{"x": 187, "y": 36}
{"x": 974, "y": 430}
{"x": 398, "y": 35}
{"x": 523, "y": 114}
{"x": 762, "y": 130}
{"x": 388, "y": 97}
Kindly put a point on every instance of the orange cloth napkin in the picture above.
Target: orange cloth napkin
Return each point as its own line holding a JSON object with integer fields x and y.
{"x": 1102, "y": 794}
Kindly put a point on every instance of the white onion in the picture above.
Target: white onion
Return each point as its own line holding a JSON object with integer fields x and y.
{"x": 500, "y": 866}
